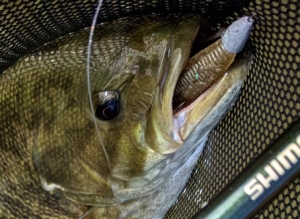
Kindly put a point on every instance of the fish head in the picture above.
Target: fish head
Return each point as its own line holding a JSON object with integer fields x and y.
{"x": 111, "y": 135}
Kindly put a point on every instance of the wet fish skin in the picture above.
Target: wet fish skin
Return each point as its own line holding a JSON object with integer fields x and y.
{"x": 47, "y": 133}
{"x": 48, "y": 137}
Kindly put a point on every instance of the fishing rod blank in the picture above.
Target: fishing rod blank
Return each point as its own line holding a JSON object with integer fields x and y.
{"x": 260, "y": 182}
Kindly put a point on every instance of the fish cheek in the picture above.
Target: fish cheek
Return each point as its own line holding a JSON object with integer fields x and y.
{"x": 127, "y": 161}
{"x": 128, "y": 155}
{"x": 139, "y": 96}
{"x": 64, "y": 144}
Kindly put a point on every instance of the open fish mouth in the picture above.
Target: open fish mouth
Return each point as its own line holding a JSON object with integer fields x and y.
{"x": 157, "y": 131}
{"x": 221, "y": 93}
{"x": 197, "y": 86}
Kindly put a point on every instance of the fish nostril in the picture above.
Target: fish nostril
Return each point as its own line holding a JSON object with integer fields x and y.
{"x": 134, "y": 69}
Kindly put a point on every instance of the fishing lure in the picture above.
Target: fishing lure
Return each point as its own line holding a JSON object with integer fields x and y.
{"x": 209, "y": 65}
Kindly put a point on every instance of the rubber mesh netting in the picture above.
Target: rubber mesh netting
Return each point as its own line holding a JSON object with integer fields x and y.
{"x": 268, "y": 104}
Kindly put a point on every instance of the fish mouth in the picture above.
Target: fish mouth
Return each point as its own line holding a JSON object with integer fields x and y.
{"x": 171, "y": 119}
{"x": 180, "y": 122}
{"x": 191, "y": 123}
{"x": 181, "y": 110}
{"x": 216, "y": 67}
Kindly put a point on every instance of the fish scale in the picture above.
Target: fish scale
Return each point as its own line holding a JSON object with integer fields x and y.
{"x": 63, "y": 170}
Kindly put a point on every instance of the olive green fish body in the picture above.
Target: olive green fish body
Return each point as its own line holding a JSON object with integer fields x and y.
{"x": 55, "y": 163}
{"x": 48, "y": 138}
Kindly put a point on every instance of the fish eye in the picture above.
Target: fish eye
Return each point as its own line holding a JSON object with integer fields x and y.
{"x": 108, "y": 105}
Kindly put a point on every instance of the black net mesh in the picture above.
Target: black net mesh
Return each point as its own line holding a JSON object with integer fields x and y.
{"x": 268, "y": 104}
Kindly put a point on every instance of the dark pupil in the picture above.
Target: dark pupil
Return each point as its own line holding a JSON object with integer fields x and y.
{"x": 108, "y": 110}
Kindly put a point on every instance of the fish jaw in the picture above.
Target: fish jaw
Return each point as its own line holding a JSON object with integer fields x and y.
{"x": 160, "y": 134}
{"x": 179, "y": 125}
{"x": 194, "y": 123}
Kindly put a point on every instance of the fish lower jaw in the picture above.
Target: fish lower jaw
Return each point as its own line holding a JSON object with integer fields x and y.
{"x": 180, "y": 117}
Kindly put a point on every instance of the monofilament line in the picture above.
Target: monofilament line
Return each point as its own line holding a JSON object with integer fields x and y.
{"x": 88, "y": 74}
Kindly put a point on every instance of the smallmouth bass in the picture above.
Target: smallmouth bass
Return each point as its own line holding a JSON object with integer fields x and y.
{"x": 53, "y": 163}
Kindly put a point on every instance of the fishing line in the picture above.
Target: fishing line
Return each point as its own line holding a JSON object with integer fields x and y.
{"x": 88, "y": 74}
